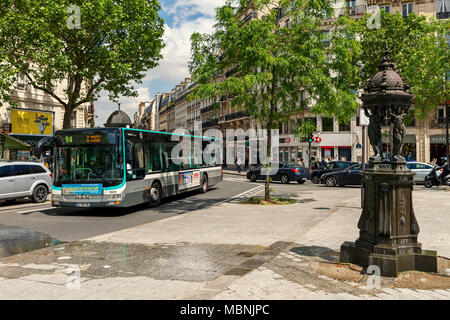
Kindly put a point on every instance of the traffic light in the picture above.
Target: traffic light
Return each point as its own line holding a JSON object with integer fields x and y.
{"x": 310, "y": 139}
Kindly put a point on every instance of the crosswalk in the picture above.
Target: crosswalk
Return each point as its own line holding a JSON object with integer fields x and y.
{"x": 21, "y": 208}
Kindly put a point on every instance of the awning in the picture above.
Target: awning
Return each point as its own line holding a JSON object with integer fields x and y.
{"x": 11, "y": 143}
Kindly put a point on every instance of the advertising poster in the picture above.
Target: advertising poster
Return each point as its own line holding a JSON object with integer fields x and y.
{"x": 31, "y": 122}
{"x": 188, "y": 179}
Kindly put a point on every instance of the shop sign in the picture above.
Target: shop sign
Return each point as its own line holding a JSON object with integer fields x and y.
{"x": 441, "y": 139}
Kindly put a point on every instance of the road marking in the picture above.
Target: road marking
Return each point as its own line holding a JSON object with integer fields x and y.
{"x": 33, "y": 210}
{"x": 236, "y": 180}
{"x": 242, "y": 194}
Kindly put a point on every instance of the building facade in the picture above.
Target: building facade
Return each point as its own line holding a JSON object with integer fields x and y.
{"x": 30, "y": 100}
{"x": 425, "y": 138}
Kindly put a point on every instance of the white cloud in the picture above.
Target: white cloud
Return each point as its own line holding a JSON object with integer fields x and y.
{"x": 177, "y": 52}
{"x": 173, "y": 67}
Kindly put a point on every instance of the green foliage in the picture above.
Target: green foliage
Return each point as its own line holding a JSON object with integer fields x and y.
{"x": 304, "y": 129}
{"x": 117, "y": 42}
{"x": 417, "y": 46}
{"x": 265, "y": 67}
{"x": 273, "y": 64}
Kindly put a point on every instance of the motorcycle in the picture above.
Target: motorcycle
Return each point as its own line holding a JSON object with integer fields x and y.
{"x": 433, "y": 178}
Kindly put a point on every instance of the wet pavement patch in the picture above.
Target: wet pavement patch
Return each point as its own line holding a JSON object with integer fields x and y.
{"x": 180, "y": 261}
{"x": 16, "y": 240}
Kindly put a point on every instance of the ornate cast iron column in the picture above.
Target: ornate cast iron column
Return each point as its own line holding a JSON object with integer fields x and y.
{"x": 388, "y": 226}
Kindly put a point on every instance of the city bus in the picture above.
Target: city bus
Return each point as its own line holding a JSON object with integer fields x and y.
{"x": 123, "y": 167}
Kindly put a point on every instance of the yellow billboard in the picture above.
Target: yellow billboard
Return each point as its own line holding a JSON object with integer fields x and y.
{"x": 31, "y": 122}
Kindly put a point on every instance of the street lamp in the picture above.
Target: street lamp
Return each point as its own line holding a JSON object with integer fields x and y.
{"x": 388, "y": 227}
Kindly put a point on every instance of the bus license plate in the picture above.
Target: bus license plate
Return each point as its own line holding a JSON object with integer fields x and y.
{"x": 82, "y": 205}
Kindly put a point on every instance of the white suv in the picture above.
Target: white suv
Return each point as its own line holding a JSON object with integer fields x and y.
{"x": 25, "y": 179}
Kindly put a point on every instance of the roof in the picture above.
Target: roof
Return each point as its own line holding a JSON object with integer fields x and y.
{"x": 118, "y": 119}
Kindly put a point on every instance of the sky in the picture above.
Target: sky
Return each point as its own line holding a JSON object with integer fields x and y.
{"x": 182, "y": 18}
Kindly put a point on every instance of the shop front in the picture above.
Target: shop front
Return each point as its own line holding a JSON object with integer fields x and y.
{"x": 438, "y": 146}
{"x": 14, "y": 149}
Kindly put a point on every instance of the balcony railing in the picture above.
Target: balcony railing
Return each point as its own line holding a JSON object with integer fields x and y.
{"x": 351, "y": 11}
{"x": 443, "y": 15}
{"x": 210, "y": 123}
{"x": 236, "y": 115}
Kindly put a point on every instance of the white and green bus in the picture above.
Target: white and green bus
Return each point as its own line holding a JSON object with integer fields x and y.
{"x": 122, "y": 167}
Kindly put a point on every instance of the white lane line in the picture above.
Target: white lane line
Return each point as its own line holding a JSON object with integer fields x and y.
{"x": 236, "y": 180}
{"x": 242, "y": 194}
{"x": 34, "y": 210}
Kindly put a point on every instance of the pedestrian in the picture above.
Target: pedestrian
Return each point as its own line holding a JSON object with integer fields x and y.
{"x": 323, "y": 163}
{"x": 433, "y": 162}
{"x": 238, "y": 164}
{"x": 42, "y": 158}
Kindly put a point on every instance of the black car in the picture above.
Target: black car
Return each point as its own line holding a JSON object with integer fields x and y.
{"x": 316, "y": 174}
{"x": 287, "y": 172}
{"x": 348, "y": 176}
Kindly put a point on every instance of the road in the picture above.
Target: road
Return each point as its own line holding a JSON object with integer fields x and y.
{"x": 71, "y": 224}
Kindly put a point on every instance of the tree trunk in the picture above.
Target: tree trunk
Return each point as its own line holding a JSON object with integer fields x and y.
{"x": 269, "y": 154}
{"x": 67, "y": 116}
{"x": 269, "y": 137}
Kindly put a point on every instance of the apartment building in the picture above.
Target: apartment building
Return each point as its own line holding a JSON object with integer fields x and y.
{"x": 147, "y": 117}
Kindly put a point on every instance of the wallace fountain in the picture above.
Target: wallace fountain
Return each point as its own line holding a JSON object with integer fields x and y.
{"x": 388, "y": 229}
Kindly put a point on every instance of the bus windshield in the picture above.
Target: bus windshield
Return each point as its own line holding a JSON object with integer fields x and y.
{"x": 96, "y": 158}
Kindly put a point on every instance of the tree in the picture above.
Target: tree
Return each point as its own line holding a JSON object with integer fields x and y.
{"x": 273, "y": 63}
{"x": 418, "y": 47}
{"x": 109, "y": 45}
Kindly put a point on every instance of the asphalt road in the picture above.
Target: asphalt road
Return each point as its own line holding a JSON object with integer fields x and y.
{"x": 71, "y": 224}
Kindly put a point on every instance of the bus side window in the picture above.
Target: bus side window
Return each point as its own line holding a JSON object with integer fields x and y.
{"x": 153, "y": 158}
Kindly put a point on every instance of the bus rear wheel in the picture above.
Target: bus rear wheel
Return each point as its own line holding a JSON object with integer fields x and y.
{"x": 205, "y": 183}
{"x": 155, "y": 195}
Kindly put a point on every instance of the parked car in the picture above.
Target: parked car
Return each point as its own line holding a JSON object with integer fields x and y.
{"x": 287, "y": 172}
{"x": 348, "y": 176}
{"x": 24, "y": 179}
{"x": 316, "y": 174}
{"x": 421, "y": 170}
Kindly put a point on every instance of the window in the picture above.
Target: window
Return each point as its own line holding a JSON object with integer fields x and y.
{"x": 37, "y": 169}
{"x": 386, "y": 8}
{"x": 135, "y": 158}
{"x": 166, "y": 149}
{"x": 344, "y": 126}
{"x": 6, "y": 171}
{"x": 153, "y": 157}
{"x": 341, "y": 165}
{"x": 411, "y": 166}
{"x": 327, "y": 124}
{"x": 442, "y": 9}
{"x": 407, "y": 9}
{"x": 22, "y": 169}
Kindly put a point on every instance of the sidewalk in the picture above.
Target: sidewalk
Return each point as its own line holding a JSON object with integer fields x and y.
{"x": 228, "y": 251}
{"x": 234, "y": 171}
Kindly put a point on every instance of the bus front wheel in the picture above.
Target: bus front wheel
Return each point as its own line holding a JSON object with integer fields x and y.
{"x": 155, "y": 195}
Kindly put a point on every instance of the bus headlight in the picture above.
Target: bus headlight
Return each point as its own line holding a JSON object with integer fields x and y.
{"x": 56, "y": 197}
{"x": 114, "y": 196}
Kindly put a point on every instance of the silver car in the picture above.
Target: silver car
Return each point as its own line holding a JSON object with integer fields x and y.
{"x": 421, "y": 169}
{"x": 23, "y": 180}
